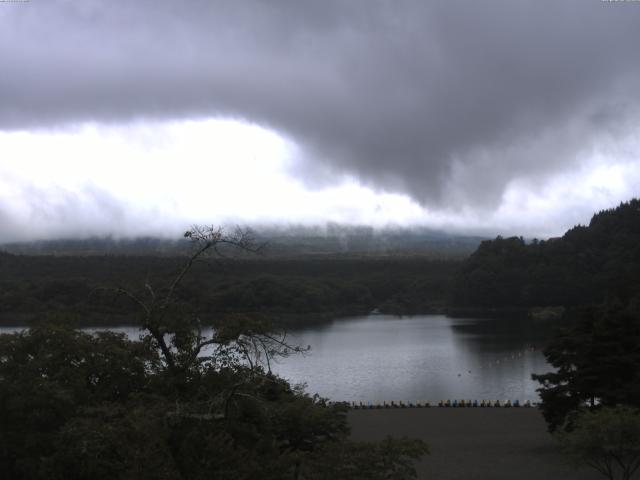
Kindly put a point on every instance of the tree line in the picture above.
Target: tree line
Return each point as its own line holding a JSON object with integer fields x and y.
{"x": 300, "y": 289}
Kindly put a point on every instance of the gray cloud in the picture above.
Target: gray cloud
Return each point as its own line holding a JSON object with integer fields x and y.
{"x": 446, "y": 101}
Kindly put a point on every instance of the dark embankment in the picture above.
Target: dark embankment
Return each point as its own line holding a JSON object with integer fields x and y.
{"x": 473, "y": 443}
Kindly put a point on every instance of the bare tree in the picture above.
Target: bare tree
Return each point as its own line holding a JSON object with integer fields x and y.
{"x": 182, "y": 339}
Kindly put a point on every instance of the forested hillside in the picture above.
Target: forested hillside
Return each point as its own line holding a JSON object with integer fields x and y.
{"x": 587, "y": 265}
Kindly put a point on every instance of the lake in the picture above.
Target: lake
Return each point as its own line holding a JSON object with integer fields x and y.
{"x": 377, "y": 358}
{"x": 420, "y": 358}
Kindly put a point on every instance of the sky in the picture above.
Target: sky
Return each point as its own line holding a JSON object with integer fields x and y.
{"x": 487, "y": 117}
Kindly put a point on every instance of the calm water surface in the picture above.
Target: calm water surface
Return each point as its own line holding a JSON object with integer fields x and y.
{"x": 420, "y": 358}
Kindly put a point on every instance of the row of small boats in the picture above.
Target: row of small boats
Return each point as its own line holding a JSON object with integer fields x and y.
{"x": 446, "y": 404}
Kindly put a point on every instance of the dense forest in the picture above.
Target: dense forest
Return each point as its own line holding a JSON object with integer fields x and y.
{"x": 301, "y": 274}
{"x": 291, "y": 290}
{"x": 510, "y": 275}
{"x": 587, "y": 265}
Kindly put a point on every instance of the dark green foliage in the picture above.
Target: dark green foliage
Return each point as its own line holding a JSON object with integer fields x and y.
{"x": 607, "y": 440}
{"x": 584, "y": 267}
{"x": 597, "y": 363}
{"x": 269, "y": 293}
{"x": 33, "y": 288}
{"x": 80, "y": 406}
{"x": 50, "y": 372}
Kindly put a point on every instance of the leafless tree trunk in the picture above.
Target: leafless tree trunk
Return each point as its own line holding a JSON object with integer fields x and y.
{"x": 254, "y": 344}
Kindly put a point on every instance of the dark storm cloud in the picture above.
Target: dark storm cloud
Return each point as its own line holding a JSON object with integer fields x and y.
{"x": 445, "y": 100}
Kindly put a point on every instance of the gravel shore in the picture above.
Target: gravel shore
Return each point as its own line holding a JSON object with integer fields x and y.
{"x": 473, "y": 443}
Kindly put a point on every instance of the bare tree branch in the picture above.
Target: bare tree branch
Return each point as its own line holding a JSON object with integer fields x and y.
{"x": 177, "y": 354}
